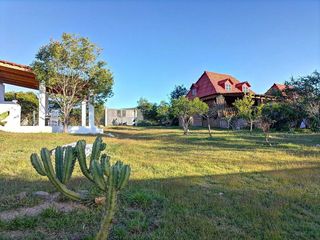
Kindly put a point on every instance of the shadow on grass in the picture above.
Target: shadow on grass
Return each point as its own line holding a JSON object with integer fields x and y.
{"x": 173, "y": 140}
{"x": 281, "y": 204}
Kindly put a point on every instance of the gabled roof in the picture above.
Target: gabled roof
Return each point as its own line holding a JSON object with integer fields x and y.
{"x": 17, "y": 74}
{"x": 277, "y": 87}
{"x": 212, "y": 83}
{"x": 243, "y": 83}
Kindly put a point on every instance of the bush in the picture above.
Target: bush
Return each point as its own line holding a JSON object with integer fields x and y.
{"x": 146, "y": 123}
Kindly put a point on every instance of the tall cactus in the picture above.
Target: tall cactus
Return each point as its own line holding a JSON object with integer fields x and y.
{"x": 114, "y": 179}
{"x": 64, "y": 163}
{"x": 97, "y": 147}
{"x": 110, "y": 179}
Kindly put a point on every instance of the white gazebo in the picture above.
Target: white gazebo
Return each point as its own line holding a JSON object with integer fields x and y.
{"x": 22, "y": 76}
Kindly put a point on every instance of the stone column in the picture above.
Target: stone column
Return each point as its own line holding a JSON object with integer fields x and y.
{"x": 84, "y": 113}
{"x": 42, "y": 105}
{"x": 2, "y": 92}
{"x": 91, "y": 115}
{"x": 106, "y": 116}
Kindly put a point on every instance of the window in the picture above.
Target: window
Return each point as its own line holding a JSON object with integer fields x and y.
{"x": 228, "y": 87}
{"x": 194, "y": 92}
{"x": 245, "y": 89}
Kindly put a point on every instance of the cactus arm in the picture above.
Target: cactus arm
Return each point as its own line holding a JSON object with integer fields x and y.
{"x": 81, "y": 154}
{"x": 36, "y": 163}
{"x": 98, "y": 175}
{"x": 97, "y": 147}
{"x": 45, "y": 156}
{"x": 124, "y": 178}
{"x": 105, "y": 164}
{"x": 68, "y": 164}
{"x": 59, "y": 157}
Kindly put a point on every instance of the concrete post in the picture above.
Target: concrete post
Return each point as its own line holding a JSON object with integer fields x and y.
{"x": 84, "y": 113}
{"x": 42, "y": 105}
{"x": 106, "y": 116}
{"x": 2, "y": 92}
{"x": 91, "y": 115}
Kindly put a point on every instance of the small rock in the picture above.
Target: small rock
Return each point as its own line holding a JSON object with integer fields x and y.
{"x": 110, "y": 135}
{"x": 88, "y": 149}
{"x": 42, "y": 194}
{"x": 220, "y": 193}
{"x": 21, "y": 195}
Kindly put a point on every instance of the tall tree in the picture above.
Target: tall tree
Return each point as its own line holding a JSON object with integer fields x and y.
{"x": 148, "y": 109}
{"x": 305, "y": 91}
{"x": 246, "y": 109}
{"x": 185, "y": 109}
{"x": 71, "y": 71}
{"x": 163, "y": 113}
{"x": 178, "y": 91}
{"x": 208, "y": 114}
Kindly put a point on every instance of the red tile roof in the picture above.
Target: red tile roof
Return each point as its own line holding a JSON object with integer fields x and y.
{"x": 277, "y": 87}
{"x": 17, "y": 74}
{"x": 211, "y": 83}
{"x": 280, "y": 87}
{"x": 16, "y": 65}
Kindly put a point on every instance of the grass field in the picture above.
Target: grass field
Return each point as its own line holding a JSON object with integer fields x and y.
{"x": 231, "y": 186}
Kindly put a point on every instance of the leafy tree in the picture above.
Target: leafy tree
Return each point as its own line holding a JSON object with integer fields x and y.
{"x": 28, "y": 101}
{"x": 247, "y": 110}
{"x": 99, "y": 114}
{"x": 179, "y": 91}
{"x": 148, "y": 110}
{"x": 305, "y": 92}
{"x": 209, "y": 114}
{"x": 71, "y": 71}
{"x": 283, "y": 115}
{"x": 185, "y": 109}
{"x": 265, "y": 124}
{"x": 163, "y": 113}
{"x": 229, "y": 114}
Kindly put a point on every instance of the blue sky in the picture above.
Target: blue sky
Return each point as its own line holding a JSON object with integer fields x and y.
{"x": 151, "y": 46}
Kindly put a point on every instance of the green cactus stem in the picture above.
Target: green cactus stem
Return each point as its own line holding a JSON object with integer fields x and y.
{"x": 97, "y": 147}
{"x": 111, "y": 179}
{"x": 64, "y": 166}
{"x": 118, "y": 177}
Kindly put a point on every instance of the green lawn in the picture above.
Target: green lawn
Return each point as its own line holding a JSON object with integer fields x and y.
{"x": 231, "y": 186}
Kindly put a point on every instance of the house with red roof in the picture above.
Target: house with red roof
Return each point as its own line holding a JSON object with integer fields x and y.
{"x": 277, "y": 90}
{"x": 216, "y": 88}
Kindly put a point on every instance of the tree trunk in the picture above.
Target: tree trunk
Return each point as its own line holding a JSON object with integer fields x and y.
{"x": 251, "y": 126}
{"x": 66, "y": 114}
{"x": 184, "y": 126}
{"x": 209, "y": 128}
{"x": 65, "y": 125}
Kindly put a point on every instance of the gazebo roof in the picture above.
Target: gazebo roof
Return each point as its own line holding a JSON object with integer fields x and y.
{"x": 18, "y": 75}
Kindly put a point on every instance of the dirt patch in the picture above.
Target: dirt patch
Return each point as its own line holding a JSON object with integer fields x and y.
{"x": 51, "y": 202}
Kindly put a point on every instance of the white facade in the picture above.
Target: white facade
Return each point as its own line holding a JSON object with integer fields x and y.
{"x": 122, "y": 116}
{"x": 14, "y": 118}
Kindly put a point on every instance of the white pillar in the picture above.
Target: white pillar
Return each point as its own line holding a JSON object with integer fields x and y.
{"x": 2, "y": 92}
{"x": 42, "y": 105}
{"x": 84, "y": 113}
{"x": 91, "y": 115}
{"x": 106, "y": 116}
